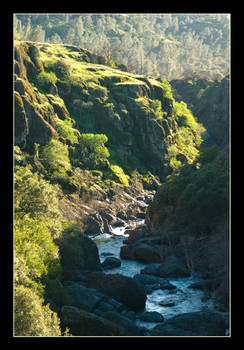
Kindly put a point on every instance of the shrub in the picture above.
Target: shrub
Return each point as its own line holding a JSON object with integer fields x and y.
{"x": 55, "y": 156}
{"x": 61, "y": 69}
{"x": 31, "y": 317}
{"x": 45, "y": 79}
{"x": 34, "y": 245}
{"x": 66, "y": 130}
{"x": 206, "y": 199}
{"x": 93, "y": 151}
{"x": 119, "y": 175}
{"x": 196, "y": 197}
{"x": 36, "y": 198}
{"x": 56, "y": 294}
{"x": 185, "y": 117}
{"x": 167, "y": 88}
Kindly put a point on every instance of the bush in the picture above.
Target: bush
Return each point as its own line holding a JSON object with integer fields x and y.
{"x": 55, "y": 156}
{"x": 45, "y": 79}
{"x": 185, "y": 117}
{"x": 56, "y": 294}
{"x": 66, "y": 131}
{"x": 94, "y": 153}
{"x": 195, "y": 197}
{"x": 167, "y": 88}
{"x": 61, "y": 69}
{"x": 36, "y": 198}
{"x": 204, "y": 200}
{"x": 34, "y": 246}
{"x": 31, "y": 317}
{"x": 119, "y": 175}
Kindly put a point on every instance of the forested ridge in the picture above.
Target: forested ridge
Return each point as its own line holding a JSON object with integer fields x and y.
{"x": 93, "y": 136}
{"x": 168, "y": 45}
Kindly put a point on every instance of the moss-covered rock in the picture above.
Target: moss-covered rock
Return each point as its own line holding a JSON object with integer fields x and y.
{"x": 21, "y": 122}
{"x": 79, "y": 252}
{"x": 135, "y": 112}
{"x": 83, "y": 323}
{"x": 122, "y": 288}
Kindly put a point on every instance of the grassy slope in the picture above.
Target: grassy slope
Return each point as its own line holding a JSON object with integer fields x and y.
{"x": 146, "y": 129}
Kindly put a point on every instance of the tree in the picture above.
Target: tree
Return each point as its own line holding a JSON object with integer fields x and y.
{"x": 37, "y": 34}
{"x": 35, "y": 197}
{"x": 93, "y": 151}
{"x": 55, "y": 156}
{"x": 55, "y": 39}
{"x": 31, "y": 317}
{"x": 79, "y": 26}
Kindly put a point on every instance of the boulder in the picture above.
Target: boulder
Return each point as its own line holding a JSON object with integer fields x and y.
{"x": 210, "y": 284}
{"x": 108, "y": 305}
{"x": 124, "y": 289}
{"x": 142, "y": 252}
{"x": 167, "y": 303}
{"x": 172, "y": 267}
{"x": 135, "y": 234}
{"x": 145, "y": 253}
{"x": 93, "y": 224}
{"x": 127, "y": 252}
{"x": 141, "y": 215}
{"x": 108, "y": 215}
{"x": 151, "y": 282}
{"x": 83, "y": 297}
{"x": 83, "y": 323}
{"x": 111, "y": 262}
{"x": 151, "y": 316}
{"x": 126, "y": 323}
{"x": 79, "y": 252}
{"x": 122, "y": 215}
{"x": 201, "y": 323}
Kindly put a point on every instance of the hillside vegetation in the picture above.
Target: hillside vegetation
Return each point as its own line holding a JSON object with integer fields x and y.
{"x": 168, "y": 45}
{"x": 89, "y": 137}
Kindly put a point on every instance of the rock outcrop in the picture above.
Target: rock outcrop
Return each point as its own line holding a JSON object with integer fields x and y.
{"x": 202, "y": 323}
{"x": 132, "y": 110}
{"x": 124, "y": 289}
{"x": 83, "y": 323}
{"x": 209, "y": 101}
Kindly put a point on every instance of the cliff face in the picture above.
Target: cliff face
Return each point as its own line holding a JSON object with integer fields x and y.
{"x": 56, "y": 83}
{"x": 209, "y": 101}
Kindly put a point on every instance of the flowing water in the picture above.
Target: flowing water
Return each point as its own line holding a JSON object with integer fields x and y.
{"x": 176, "y": 301}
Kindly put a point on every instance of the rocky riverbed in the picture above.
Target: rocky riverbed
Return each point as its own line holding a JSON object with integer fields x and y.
{"x": 135, "y": 284}
{"x": 166, "y": 297}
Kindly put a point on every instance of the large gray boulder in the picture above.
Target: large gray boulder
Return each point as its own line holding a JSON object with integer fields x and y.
{"x": 151, "y": 282}
{"x": 83, "y": 323}
{"x": 93, "y": 224}
{"x": 172, "y": 267}
{"x": 130, "y": 327}
{"x": 83, "y": 297}
{"x": 124, "y": 289}
{"x": 151, "y": 316}
{"x": 141, "y": 252}
{"x": 201, "y": 323}
{"x": 79, "y": 252}
{"x": 110, "y": 263}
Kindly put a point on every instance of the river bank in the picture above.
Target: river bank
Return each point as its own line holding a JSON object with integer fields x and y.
{"x": 134, "y": 282}
{"x": 166, "y": 302}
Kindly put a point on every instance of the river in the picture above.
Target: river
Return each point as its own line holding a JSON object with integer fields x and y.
{"x": 179, "y": 300}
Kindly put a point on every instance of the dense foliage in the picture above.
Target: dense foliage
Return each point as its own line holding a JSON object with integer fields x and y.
{"x": 37, "y": 223}
{"x": 85, "y": 130}
{"x": 166, "y": 45}
{"x": 197, "y": 197}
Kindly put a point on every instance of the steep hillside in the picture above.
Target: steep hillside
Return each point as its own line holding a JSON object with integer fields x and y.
{"x": 63, "y": 93}
{"x": 209, "y": 101}
{"x": 157, "y": 44}
{"x": 92, "y": 144}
